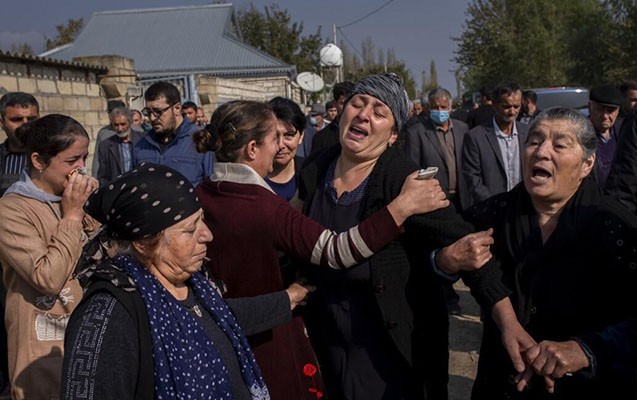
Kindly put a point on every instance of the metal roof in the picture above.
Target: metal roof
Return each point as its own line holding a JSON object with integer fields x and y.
{"x": 174, "y": 41}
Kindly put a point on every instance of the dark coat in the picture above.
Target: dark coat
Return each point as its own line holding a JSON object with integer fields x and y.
{"x": 407, "y": 292}
{"x": 420, "y": 142}
{"x": 110, "y": 159}
{"x": 575, "y": 285}
{"x": 621, "y": 183}
{"x": 482, "y": 164}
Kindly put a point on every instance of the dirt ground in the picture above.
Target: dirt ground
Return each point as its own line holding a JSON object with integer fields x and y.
{"x": 465, "y": 332}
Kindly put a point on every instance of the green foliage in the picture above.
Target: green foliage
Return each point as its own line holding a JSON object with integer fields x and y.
{"x": 66, "y": 33}
{"x": 274, "y": 33}
{"x": 548, "y": 42}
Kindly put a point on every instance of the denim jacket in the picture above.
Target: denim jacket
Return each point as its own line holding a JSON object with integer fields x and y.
{"x": 180, "y": 153}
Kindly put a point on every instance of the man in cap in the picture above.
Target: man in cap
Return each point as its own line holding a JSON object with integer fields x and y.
{"x": 603, "y": 107}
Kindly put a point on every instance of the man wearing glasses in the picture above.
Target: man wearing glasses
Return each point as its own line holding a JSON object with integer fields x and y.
{"x": 170, "y": 141}
{"x": 16, "y": 108}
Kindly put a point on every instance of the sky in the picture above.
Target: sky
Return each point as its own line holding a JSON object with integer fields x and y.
{"x": 418, "y": 30}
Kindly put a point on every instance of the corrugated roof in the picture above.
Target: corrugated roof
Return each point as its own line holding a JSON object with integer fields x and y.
{"x": 173, "y": 41}
{"x": 11, "y": 56}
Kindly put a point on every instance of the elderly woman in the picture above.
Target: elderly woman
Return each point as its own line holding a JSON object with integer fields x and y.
{"x": 41, "y": 236}
{"x": 238, "y": 201}
{"x": 379, "y": 328}
{"x": 151, "y": 325}
{"x": 562, "y": 300}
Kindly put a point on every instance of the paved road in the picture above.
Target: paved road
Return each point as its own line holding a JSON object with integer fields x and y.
{"x": 465, "y": 332}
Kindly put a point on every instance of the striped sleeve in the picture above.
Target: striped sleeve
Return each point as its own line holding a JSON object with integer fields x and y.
{"x": 358, "y": 243}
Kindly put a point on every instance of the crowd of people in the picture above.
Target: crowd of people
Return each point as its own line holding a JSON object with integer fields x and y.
{"x": 277, "y": 253}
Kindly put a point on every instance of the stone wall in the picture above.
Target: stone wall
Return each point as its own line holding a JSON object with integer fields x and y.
{"x": 79, "y": 89}
{"x": 214, "y": 91}
{"x": 82, "y": 88}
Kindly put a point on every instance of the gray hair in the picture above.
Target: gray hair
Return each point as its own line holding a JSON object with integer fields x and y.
{"x": 439, "y": 93}
{"x": 582, "y": 126}
{"x": 121, "y": 112}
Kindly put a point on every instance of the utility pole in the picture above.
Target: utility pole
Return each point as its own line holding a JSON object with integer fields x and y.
{"x": 339, "y": 70}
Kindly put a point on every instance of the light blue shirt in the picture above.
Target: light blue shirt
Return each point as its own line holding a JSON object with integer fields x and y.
{"x": 510, "y": 150}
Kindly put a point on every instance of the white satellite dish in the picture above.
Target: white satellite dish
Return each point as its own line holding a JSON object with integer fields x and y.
{"x": 310, "y": 82}
{"x": 331, "y": 56}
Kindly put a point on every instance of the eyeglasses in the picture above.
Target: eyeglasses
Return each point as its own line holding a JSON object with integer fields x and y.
{"x": 148, "y": 112}
{"x": 22, "y": 119}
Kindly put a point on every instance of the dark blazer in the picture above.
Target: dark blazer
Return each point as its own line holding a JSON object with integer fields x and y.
{"x": 421, "y": 144}
{"x": 110, "y": 160}
{"x": 482, "y": 164}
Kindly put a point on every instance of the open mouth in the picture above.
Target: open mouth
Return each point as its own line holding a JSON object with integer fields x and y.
{"x": 357, "y": 132}
{"x": 540, "y": 174}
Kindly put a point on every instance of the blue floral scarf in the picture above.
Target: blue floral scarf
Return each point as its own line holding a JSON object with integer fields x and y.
{"x": 187, "y": 364}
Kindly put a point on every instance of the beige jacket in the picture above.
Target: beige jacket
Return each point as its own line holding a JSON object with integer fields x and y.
{"x": 38, "y": 252}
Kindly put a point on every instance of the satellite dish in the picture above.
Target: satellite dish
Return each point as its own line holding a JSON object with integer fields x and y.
{"x": 310, "y": 82}
{"x": 331, "y": 56}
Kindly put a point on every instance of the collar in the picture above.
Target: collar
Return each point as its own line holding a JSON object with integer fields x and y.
{"x": 449, "y": 127}
{"x": 500, "y": 133}
{"x": 182, "y": 130}
{"x": 238, "y": 173}
{"x": 25, "y": 187}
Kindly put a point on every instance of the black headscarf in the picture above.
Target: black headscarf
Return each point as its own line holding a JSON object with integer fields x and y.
{"x": 143, "y": 202}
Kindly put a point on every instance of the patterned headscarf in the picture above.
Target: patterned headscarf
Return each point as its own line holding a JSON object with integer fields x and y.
{"x": 388, "y": 88}
{"x": 142, "y": 202}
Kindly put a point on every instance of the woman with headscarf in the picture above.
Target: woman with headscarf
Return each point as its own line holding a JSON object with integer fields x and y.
{"x": 41, "y": 236}
{"x": 151, "y": 325}
{"x": 237, "y": 201}
{"x": 380, "y": 328}
{"x": 561, "y": 302}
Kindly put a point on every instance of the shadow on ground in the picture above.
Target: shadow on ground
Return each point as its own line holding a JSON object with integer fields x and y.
{"x": 465, "y": 332}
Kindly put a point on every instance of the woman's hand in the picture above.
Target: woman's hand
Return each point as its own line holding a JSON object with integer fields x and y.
{"x": 77, "y": 190}
{"x": 556, "y": 359}
{"x": 297, "y": 292}
{"x": 417, "y": 196}
{"x": 466, "y": 254}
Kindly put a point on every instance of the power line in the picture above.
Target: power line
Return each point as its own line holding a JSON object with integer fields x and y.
{"x": 350, "y": 43}
{"x": 365, "y": 16}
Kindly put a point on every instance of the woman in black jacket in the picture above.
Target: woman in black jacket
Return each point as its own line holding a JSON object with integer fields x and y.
{"x": 380, "y": 328}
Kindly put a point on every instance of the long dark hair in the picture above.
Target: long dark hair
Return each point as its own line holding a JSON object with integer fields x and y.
{"x": 49, "y": 136}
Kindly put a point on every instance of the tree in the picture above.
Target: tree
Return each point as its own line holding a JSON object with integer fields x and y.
{"x": 386, "y": 62}
{"x": 273, "y": 32}
{"x": 432, "y": 83}
{"x": 66, "y": 33}
{"x": 548, "y": 42}
{"x": 23, "y": 48}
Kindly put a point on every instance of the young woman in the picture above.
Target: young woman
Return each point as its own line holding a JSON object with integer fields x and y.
{"x": 41, "y": 239}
